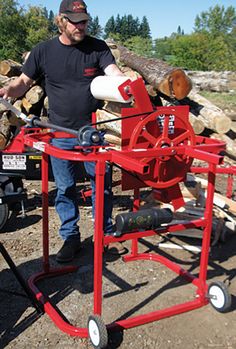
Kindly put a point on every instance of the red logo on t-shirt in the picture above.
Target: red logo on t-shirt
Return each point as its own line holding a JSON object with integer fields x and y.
{"x": 90, "y": 71}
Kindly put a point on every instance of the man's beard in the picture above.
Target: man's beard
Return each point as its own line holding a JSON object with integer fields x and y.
{"x": 76, "y": 36}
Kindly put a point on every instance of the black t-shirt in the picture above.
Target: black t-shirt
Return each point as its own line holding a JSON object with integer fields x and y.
{"x": 68, "y": 72}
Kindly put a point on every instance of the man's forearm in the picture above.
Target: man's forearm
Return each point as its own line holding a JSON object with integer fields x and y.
{"x": 17, "y": 87}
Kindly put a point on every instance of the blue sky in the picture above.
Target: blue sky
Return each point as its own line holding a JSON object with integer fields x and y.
{"x": 164, "y": 17}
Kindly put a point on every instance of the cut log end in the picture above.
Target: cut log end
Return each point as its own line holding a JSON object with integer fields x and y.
{"x": 222, "y": 125}
{"x": 181, "y": 84}
{"x": 3, "y": 141}
{"x": 177, "y": 84}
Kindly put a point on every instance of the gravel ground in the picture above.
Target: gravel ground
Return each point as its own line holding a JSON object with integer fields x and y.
{"x": 128, "y": 288}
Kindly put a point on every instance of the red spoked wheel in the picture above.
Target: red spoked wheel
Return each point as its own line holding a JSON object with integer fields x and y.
{"x": 166, "y": 128}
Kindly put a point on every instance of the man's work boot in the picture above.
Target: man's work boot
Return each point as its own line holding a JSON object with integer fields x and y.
{"x": 68, "y": 251}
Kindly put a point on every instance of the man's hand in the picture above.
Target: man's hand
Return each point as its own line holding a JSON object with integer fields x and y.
{"x": 17, "y": 87}
{"x": 113, "y": 70}
{"x": 4, "y": 92}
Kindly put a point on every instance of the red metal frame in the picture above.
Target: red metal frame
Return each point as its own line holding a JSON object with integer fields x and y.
{"x": 129, "y": 159}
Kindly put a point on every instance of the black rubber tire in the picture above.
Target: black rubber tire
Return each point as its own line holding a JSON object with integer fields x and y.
{"x": 4, "y": 212}
{"x": 218, "y": 288}
{"x": 97, "y": 332}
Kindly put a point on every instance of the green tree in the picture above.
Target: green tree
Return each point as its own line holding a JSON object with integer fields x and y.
{"x": 219, "y": 25}
{"x": 118, "y": 24}
{"x": 12, "y": 30}
{"x": 211, "y": 47}
{"x": 139, "y": 45}
{"x": 180, "y": 31}
{"x": 133, "y": 26}
{"x": 52, "y": 26}
{"x": 216, "y": 20}
{"x": 144, "y": 29}
{"x": 110, "y": 27}
{"x": 189, "y": 51}
{"x": 37, "y": 26}
{"x": 124, "y": 28}
{"x": 199, "y": 51}
{"x": 163, "y": 48}
{"x": 94, "y": 28}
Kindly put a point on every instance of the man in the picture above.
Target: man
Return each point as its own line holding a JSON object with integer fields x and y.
{"x": 69, "y": 63}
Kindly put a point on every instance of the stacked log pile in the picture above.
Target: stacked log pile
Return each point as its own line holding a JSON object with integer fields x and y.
{"x": 211, "y": 80}
{"x": 31, "y": 103}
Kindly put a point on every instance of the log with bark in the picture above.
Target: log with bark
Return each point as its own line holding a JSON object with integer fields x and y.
{"x": 5, "y": 130}
{"x": 34, "y": 94}
{"x": 33, "y": 101}
{"x": 210, "y": 80}
{"x": 172, "y": 82}
{"x": 212, "y": 117}
{"x": 10, "y": 68}
{"x": 114, "y": 126}
{"x": 197, "y": 124}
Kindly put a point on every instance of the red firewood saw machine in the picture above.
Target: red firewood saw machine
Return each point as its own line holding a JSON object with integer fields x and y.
{"x": 158, "y": 149}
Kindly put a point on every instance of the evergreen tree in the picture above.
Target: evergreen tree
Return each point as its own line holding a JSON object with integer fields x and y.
{"x": 124, "y": 28}
{"x": 180, "y": 31}
{"x": 110, "y": 27}
{"x": 118, "y": 23}
{"x": 144, "y": 29}
{"x": 52, "y": 26}
{"x": 94, "y": 28}
{"x": 132, "y": 26}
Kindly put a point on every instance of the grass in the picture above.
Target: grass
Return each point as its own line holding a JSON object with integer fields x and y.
{"x": 222, "y": 100}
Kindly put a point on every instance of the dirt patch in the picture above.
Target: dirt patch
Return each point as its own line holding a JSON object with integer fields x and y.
{"x": 129, "y": 289}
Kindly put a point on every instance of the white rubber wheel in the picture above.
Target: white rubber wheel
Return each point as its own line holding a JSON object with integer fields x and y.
{"x": 219, "y": 296}
{"x": 97, "y": 332}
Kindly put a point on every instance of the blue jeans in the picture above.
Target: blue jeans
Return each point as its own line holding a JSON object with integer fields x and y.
{"x": 66, "y": 202}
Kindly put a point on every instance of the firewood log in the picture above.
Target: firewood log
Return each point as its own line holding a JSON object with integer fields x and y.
{"x": 26, "y": 105}
{"x": 197, "y": 124}
{"x": 13, "y": 119}
{"x": 4, "y": 130}
{"x": 211, "y": 116}
{"x": 233, "y": 126}
{"x": 112, "y": 137}
{"x": 132, "y": 74}
{"x": 219, "y": 199}
{"x": 115, "y": 126}
{"x": 210, "y": 80}
{"x": 34, "y": 94}
{"x": 3, "y": 80}
{"x": 10, "y": 68}
{"x": 45, "y": 103}
{"x": 170, "y": 81}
